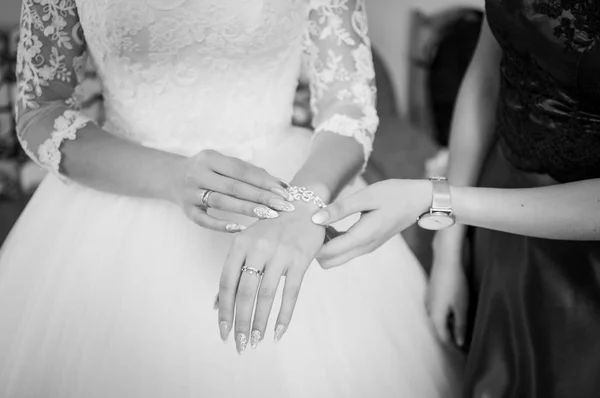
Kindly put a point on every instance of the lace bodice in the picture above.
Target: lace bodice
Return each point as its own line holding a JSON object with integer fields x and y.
{"x": 185, "y": 75}
{"x": 549, "y": 103}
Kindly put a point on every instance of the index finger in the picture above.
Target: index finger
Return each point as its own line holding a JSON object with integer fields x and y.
{"x": 356, "y": 241}
{"x": 248, "y": 173}
{"x": 358, "y": 202}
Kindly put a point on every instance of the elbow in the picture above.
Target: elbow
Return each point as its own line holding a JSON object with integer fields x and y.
{"x": 24, "y": 122}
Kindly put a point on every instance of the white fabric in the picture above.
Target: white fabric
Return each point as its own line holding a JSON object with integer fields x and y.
{"x": 197, "y": 62}
{"x": 103, "y": 296}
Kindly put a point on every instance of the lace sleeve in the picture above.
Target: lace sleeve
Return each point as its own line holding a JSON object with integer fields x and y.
{"x": 339, "y": 63}
{"x": 50, "y": 62}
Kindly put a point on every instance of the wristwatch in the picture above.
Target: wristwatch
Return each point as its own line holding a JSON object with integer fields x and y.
{"x": 439, "y": 215}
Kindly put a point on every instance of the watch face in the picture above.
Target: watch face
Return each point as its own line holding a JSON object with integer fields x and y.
{"x": 435, "y": 221}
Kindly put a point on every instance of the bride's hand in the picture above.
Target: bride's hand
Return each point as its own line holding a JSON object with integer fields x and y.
{"x": 234, "y": 185}
{"x": 387, "y": 208}
{"x": 279, "y": 247}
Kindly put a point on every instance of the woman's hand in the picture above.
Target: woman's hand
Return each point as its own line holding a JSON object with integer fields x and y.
{"x": 278, "y": 247}
{"x": 236, "y": 186}
{"x": 387, "y": 208}
{"x": 448, "y": 292}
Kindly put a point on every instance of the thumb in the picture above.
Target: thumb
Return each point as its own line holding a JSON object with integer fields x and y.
{"x": 440, "y": 322}
{"x": 460, "y": 325}
{"x": 341, "y": 209}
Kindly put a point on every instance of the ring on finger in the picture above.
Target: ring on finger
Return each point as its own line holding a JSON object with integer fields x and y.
{"x": 204, "y": 195}
{"x": 252, "y": 271}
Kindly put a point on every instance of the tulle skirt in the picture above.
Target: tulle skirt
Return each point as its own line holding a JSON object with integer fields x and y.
{"x": 106, "y": 296}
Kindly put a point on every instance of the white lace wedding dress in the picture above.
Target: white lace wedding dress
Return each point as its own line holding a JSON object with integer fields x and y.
{"x": 111, "y": 297}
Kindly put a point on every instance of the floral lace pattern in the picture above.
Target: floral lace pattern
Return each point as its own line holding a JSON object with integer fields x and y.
{"x": 577, "y": 21}
{"x": 65, "y": 128}
{"x": 343, "y": 75}
{"x": 187, "y": 75}
{"x": 51, "y": 61}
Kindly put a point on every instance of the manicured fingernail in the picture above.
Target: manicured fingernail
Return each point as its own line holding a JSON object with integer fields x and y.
{"x": 265, "y": 212}
{"x": 283, "y": 193}
{"x": 224, "y": 329}
{"x": 279, "y": 331}
{"x": 320, "y": 217}
{"x": 234, "y": 228}
{"x": 281, "y": 205}
{"x": 216, "y": 303}
{"x": 255, "y": 338}
{"x": 284, "y": 184}
{"x": 242, "y": 342}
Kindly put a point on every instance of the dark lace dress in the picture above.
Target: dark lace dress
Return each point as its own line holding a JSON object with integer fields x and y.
{"x": 536, "y": 332}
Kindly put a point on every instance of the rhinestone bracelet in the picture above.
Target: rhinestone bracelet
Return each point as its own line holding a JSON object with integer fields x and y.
{"x": 301, "y": 193}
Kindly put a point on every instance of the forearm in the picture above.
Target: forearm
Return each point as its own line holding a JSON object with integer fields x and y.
{"x": 50, "y": 126}
{"x": 566, "y": 211}
{"x": 471, "y": 137}
{"x": 472, "y": 130}
{"x": 333, "y": 161}
{"x": 339, "y": 64}
{"x": 105, "y": 162}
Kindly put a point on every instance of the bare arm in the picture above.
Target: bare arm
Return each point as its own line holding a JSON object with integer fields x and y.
{"x": 472, "y": 132}
{"x": 474, "y": 114}
{"x": 565, "y": 211}
{"x": 471, "y": 137}
{"x": 56, "y": 134}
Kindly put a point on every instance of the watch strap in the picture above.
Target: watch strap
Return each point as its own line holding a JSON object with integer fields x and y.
{"x": 441, "y": 195}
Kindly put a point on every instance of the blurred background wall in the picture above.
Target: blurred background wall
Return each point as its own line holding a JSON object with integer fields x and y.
{"x": 9, "y": 12}
{"x": 390, "y": 28}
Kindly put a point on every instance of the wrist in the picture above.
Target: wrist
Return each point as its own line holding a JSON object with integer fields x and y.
{"x": 447, "y": 261}
{"x": 439, "y": 214}
{"x": 302, "y": 195}
{"x": 302, "y": 211}
{"x": 449, "y": 241}
{"x": 171, "y": 177}
{"x": 322, "y": 190}
{"x": 460, "y": 200}
{"x": 300, "y": 220}
{"x": 424, "y": 194}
